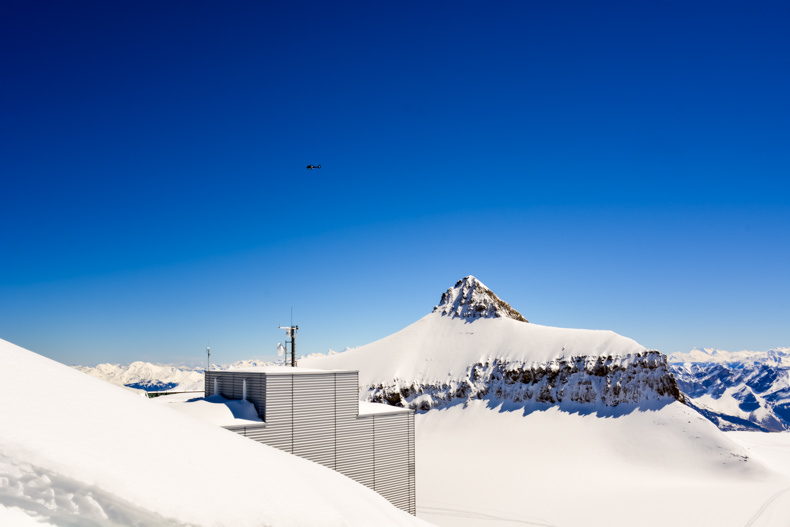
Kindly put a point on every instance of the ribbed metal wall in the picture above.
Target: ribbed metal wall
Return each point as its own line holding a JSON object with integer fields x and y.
{"x": 393, "y": 458}
{"x": 231, "y": 386}
{"x": 316, "y": 416}
{"x": 255, "y": 432}
{"x": 279, "y": 412}
{"x": 355, "y": 454}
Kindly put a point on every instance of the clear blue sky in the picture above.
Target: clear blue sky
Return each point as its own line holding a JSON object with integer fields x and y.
{"x": 606, "y": 165}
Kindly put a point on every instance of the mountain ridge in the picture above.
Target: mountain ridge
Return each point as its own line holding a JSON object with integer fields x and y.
{"x": 474, "y": 345}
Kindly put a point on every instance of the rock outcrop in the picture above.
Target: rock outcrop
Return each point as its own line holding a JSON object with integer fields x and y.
{"x": 593, "y": 379}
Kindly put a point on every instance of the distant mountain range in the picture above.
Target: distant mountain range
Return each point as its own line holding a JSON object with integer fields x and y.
{"x": 159, "y": 377}
{"x": 744, "y": 390}
{"x": 444, "y": 358}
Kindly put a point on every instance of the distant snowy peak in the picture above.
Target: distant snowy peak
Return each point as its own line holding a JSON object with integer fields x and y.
{"x": 159, "y": 377}
{"x": 469, "y": 298}
{"x": 775, "y": 356}
{"x": 740, "y": 390}
{"x": 147, "y": 376}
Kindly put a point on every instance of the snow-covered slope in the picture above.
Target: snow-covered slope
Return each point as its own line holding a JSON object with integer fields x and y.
{"x": 650, "y": 465}
{"x": 75, "y": 450}
{"x": 744, "y": 390}
{"x": 473, "y": 344}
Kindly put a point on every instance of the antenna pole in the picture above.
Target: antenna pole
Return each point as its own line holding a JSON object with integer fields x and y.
{"x": 293, "y": 346}
{"x": 293, "y": 339}
{"x": 208, "y": 358}
{"x": 290, "y": 331}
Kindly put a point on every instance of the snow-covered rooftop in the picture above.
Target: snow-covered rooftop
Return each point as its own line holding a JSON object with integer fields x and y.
{"x": 214, "y": 409}
{"x": 285, "y": 370}
{"x": 366, "y": 408}
{"x": 219, "y": 411}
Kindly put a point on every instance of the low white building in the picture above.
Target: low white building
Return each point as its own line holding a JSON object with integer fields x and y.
{"x": 317, "y": 415}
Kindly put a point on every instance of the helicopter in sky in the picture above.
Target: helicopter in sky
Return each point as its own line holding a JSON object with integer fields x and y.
{"x": 311, "y": 167}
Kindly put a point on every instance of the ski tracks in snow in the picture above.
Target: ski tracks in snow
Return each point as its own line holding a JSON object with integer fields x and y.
{"x": 483, "y": 515}
{"x": 765, "y": 506}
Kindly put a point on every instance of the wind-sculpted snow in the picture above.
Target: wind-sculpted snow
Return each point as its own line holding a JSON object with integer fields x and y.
{"x": 44, "y": 493}
{"x": 594, "y": 379}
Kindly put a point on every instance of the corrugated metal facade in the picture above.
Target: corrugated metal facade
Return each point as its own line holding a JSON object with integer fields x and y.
{"x": 315, "y": 415}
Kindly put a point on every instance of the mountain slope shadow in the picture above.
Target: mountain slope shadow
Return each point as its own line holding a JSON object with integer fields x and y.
{"x": 581, "y": 409}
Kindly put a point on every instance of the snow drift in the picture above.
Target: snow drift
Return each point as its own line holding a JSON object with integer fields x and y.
{"x": 75, "y": 450}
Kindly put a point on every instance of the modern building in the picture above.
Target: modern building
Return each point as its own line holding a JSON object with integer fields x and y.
{"x": 317, "y": 415}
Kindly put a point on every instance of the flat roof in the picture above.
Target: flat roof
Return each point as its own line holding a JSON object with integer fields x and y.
{"x": 217, "y": 410}
{"x": 282, "y": 370}
{"x": 366, "y": 408}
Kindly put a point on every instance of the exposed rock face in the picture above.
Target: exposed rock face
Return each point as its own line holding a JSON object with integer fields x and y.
{"x": 593, "y": 379}
{"x": 469, "y": 298}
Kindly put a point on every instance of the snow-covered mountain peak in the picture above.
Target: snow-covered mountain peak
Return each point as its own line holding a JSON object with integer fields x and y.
{"x": 469, "y": 298}
{"x": 776, "y": 356}
{"x": 443, "y": 358}
{"x": 737, "y": 390}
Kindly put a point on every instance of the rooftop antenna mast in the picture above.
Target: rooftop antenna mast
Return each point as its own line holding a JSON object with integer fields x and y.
{"x": 290, "y": 332}
{"x": 208, "y": 358}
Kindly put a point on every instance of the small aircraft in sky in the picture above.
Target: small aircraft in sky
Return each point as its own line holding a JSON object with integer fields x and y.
{"x": 311, "y": 167}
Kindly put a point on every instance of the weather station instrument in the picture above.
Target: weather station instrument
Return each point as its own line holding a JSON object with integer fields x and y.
{"x": 290, "y": 332}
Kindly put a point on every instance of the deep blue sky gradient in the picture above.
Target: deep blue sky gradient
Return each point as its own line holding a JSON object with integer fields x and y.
{"x": 608, "y": 165}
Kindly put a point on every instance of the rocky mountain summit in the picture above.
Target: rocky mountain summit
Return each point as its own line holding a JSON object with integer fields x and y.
{"x": 469, "y": 298}
{"x": 474, "y": 345}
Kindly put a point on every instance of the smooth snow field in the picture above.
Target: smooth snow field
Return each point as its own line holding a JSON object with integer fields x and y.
{"x": 75, "y": 450}
{"x": 440, "y": 348}
{"x": 646, "y": 466}
{"x": 774, "y": 451}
